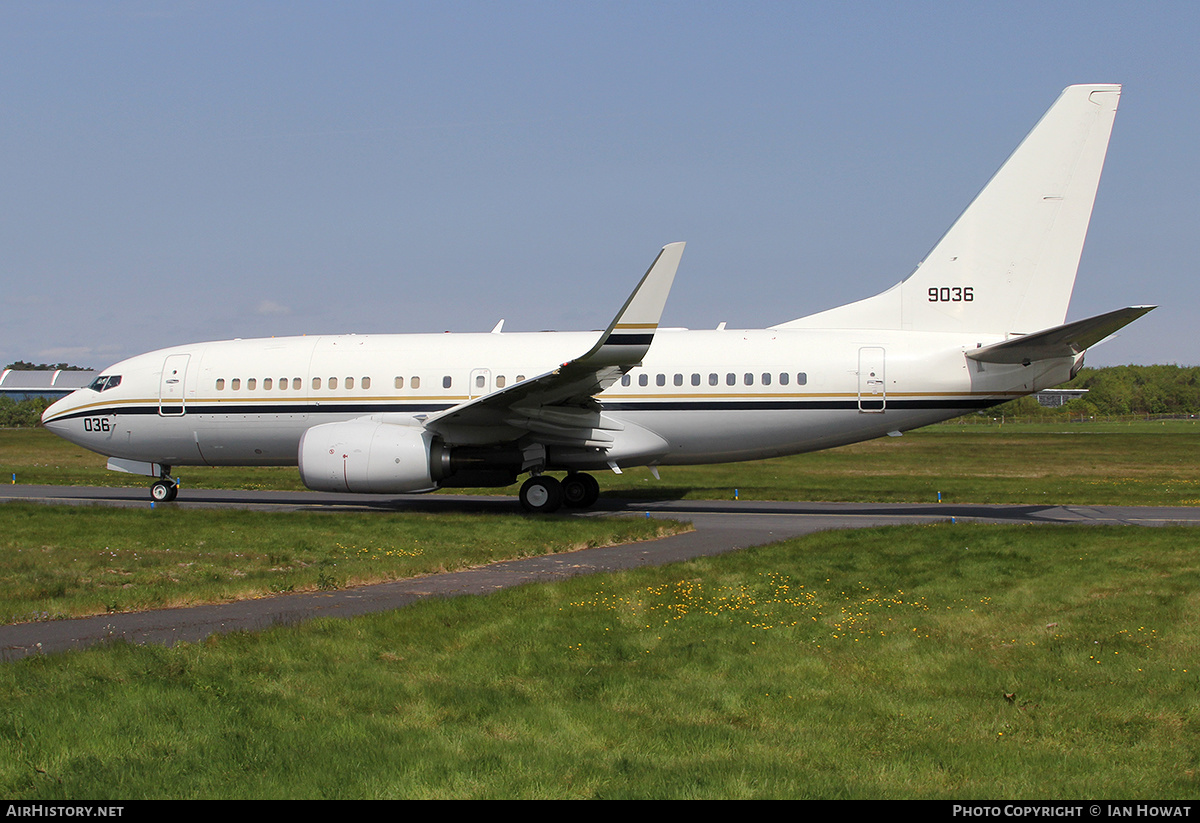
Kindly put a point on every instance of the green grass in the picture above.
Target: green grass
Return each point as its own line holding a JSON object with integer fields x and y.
{"x": 1145, "y": 463}
{"x": 1103, "y": 464}
{"x": 930, "y": 662}
{"x": 38, "y": 457}
{"x": 70, "y": 561}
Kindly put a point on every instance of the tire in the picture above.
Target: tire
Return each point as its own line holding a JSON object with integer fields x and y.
{"x": 541, "y": 495}
{"x": 580, "y": 491}
{"x": 163, "y": 491}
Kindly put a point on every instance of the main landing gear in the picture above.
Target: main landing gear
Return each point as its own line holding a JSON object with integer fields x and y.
{"x": 542, "y": 494}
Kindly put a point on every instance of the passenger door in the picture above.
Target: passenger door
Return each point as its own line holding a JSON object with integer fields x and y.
{"x": 170, "y": 386}
{"x": 872, "y": 386}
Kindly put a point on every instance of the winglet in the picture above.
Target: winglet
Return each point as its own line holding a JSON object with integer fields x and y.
{"x": 577, "y": 382}
{"x": 631, "y": 332}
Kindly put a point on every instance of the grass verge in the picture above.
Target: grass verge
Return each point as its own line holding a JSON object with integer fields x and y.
{"x": 69, "y": 561}
{"x": 914, "y": 662}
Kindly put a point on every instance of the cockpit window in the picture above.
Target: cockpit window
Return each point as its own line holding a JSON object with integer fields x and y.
{"x": 105, "y": 382}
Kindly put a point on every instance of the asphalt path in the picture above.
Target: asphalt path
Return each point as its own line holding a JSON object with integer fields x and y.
{"x": 720, "y": 526}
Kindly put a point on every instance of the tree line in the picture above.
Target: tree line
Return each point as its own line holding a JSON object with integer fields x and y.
{"x": 1119, "y": 391}
{"x": 22, "y": 413}
{"x": 25, "y": 365}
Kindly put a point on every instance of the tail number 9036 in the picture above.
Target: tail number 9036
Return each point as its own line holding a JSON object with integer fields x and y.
{"x": 951, "y": 294}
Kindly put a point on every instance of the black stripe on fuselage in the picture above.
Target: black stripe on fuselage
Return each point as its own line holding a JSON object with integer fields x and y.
{"x": 967, "y": 403}
{"x": 260, "y": 408}
{"x": 708, "y": 404}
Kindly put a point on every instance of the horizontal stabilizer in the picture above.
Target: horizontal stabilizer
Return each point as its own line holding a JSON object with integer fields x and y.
{"x": 1061, "y": 341}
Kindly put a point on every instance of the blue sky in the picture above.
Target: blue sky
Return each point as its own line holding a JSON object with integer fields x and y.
{"x": 183, "y": 171}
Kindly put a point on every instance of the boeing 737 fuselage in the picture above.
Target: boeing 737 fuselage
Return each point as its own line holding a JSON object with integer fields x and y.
{"x": 978, "y": 323}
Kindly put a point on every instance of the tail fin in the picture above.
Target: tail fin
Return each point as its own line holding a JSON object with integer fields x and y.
{"x": 1008, "y": 263}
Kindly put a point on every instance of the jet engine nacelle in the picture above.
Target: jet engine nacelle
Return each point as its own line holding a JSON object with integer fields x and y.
{"x": 370, "y": 456}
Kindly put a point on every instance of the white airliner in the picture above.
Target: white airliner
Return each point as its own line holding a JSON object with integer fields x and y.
{"x": 979, "y": 322}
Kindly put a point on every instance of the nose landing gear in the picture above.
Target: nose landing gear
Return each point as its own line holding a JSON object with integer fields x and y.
{"x": 165, "y": 488}
{"x": 163, "y": 491}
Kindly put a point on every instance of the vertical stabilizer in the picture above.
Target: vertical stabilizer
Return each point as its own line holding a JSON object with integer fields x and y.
{"x": 1008, "y": 263}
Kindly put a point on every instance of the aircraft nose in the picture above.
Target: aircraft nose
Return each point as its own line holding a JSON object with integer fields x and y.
{"x": 50, "y": 417}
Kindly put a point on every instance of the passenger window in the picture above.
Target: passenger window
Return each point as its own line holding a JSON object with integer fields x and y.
{"x": 316, "y": 383}
{"x": 220, "y": 384}
{"x": 748, "y": 379}
{"x": 520, "y": 377}
{"x": 479, "y": 381}
{"x": 251, "y": 383}
{"x": 801, "y": 379}
{"x": 500, "y": 381}
{"x": 766, "y": 378}
{"x": 696, "y": 379}
{"x": 349, "y": 382}
{"x": 712, "y": 379}
{"x": 643, "y": 380}
{"x": 415, "y": 382}
{"x": 447, "y": 382}
{"x": 366, "y": 382}
{"x": 660, "y": 380}
{"x": 235, "y": 384}
{"x": 332, "y": 383}
{"x": 730, "y": 379}
{"x": 283, "y": 384}
{"x": 679, "y": 380}
{"x": 267, "y": 384}
{"x": 626, "y": 380}
{"x": 399, "y": 382}
{"x": 783, "y": 379}
{"x": 297, "y": 384}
